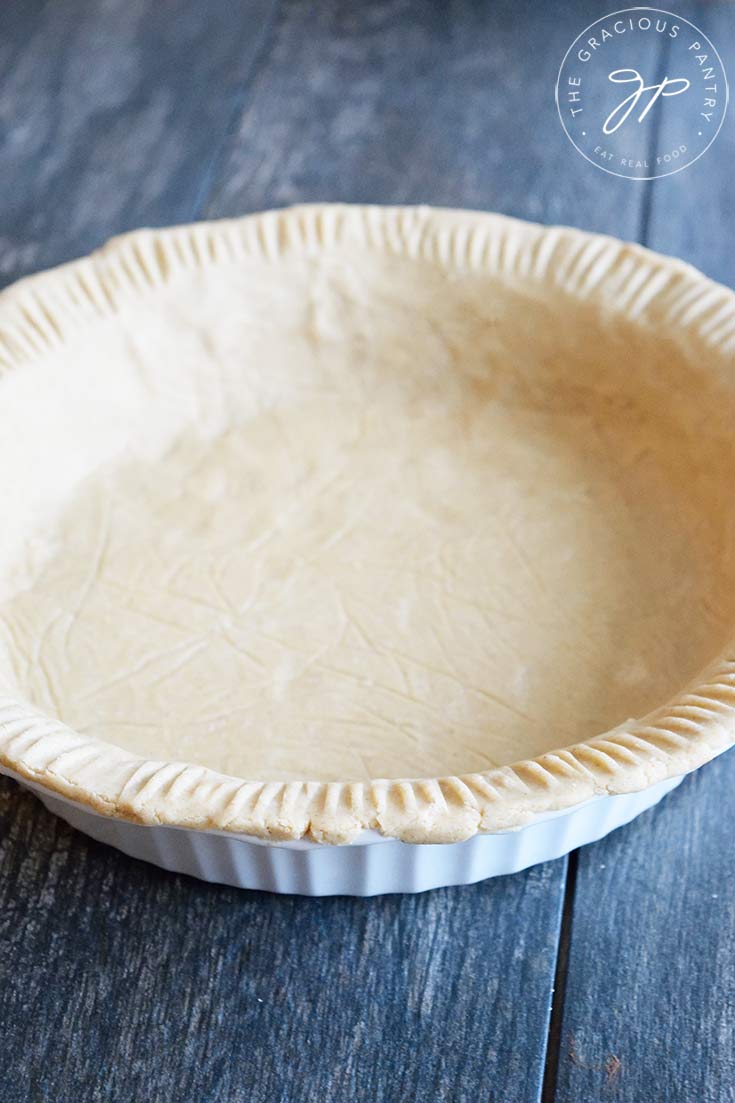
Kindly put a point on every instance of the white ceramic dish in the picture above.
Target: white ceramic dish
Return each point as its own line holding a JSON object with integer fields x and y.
{"x": 144, "y": 344}
{"x": 371, "y": 865}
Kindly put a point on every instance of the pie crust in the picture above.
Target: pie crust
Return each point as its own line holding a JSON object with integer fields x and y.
{"x": 365, "y": 494}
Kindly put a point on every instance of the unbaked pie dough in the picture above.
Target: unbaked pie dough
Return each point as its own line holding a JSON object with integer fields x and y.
{"x": 360, "y": 518}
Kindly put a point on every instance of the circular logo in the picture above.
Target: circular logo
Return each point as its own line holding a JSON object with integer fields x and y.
{"x": 641, "y": 93}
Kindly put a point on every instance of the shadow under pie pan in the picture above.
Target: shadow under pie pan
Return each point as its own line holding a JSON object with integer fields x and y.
{"x": 360, "y": 549}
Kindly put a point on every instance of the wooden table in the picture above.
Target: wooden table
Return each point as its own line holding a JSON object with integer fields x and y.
{"x": 606, "y": 976}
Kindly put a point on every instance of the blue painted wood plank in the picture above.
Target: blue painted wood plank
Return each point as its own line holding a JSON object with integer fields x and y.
{"x": 449, "y": 104}
{"x": 121, "y": 982}
{"x": 693, "y": 212}
{"x": 114, "y": 116}
{"x": 650, "y": 988}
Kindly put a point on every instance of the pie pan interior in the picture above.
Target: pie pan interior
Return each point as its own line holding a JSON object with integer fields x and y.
{"x": 307, "y": 506}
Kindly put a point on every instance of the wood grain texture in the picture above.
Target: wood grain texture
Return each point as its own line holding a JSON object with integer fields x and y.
{"x": 121, "y": 982}
{"x": 401, "y": 101}
{"x": 113, "y": 116}
{"x": 692, "y": 213}
{"x": 650, "y": 988}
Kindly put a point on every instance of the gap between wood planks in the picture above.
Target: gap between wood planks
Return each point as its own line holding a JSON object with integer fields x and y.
{"x": 664, "y": 52}
{"x": 558, "y": 992}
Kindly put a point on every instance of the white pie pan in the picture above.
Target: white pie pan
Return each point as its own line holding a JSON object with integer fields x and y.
{"x": 319, "y": 838}
{"x": 371, "y": 865}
